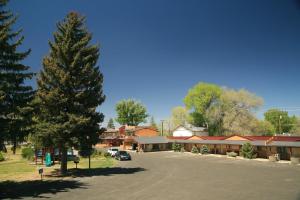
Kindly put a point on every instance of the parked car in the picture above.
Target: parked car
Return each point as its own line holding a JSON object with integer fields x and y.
{"x": 122, "y": 155}
{"x": 112, "y": 151}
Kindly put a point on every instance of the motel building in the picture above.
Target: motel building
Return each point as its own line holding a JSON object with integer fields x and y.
{"x": 146, "y": 139}
{"x": 264, "y": 146}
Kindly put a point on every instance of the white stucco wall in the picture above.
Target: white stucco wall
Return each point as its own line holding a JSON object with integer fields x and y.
{"x": 182, "y": 132}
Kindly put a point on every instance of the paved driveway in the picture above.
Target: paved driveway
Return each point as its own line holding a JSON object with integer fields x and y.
{"x": 169, "y": 175}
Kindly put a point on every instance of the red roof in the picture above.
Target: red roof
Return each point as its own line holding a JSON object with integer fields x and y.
{"x": 257, "y": 137}
{"x": 213, "y": 137}
{"x": 252, "y": 138}
{"x": 286, "y": 138}
{"x": 178, "y": 138}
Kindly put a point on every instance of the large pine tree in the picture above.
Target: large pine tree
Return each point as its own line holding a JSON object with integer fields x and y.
{"x": 14, "y": 94}
{"x": 70, "y": 89}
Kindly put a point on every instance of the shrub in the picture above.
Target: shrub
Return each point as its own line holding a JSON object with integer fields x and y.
{"x": 1, "y": 157}
{"x": 231, "y": 154}
{"x": 176, "y": 147}
{"x": 28, "y": 153}
{"x": 195, "y": 150}
{"x": 106, "y": 155}
{"x": 204, "y": 149}
{"x": 247, "y": 151}
{"x": 96, "y": 153}
{"x": 182, "y": 149}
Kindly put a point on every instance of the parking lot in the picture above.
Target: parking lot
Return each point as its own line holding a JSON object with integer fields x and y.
{"x": 169, "y": 175}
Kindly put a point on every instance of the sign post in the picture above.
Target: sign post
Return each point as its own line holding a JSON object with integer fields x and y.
{"x": 76, "y": 161}
{"x": 41, "y": 171}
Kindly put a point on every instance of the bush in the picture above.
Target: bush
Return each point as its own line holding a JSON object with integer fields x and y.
{"x": 182, "y": 149}
{"x": 247, "y": 151}
{"x": 1, "y": 157}
{"x": 204, "y": 149}
{"x": 106, "y": 155}
{"x": 96, "y": 153}
{"x": 231, "y": 154}
{"x": 176, "y": 147}
{"x": 195, "y": 150}
{"x": 28, "y": 153}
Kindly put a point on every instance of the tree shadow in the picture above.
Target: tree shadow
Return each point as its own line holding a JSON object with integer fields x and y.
{"x": 38, "y": 188}
{"x": 97, "y": 172}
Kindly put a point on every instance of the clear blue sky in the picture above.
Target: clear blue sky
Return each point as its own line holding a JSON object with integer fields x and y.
{"x": 155, "y": 50}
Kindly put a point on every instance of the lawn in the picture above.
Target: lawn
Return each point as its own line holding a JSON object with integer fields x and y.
{"x": 15, "y": 168}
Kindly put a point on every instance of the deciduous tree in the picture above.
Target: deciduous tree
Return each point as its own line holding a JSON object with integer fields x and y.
{"x": 131, "y": 112}
{"x": 282, "y": 122}
{"x": 238, "y": 111}
{"x": 179, "y": 116}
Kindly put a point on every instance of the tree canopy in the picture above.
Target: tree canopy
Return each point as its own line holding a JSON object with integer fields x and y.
{"x": 179, "y": 116}
{"x": 281, "y": 121}
{"x": 70, "y": 89}
{"x": 111, "y": 124}
{"x": 131, "y": 112}
{"x": 152, "y": 122}
{"x": 223, "y": 110}
{"x": 15, "y": 96}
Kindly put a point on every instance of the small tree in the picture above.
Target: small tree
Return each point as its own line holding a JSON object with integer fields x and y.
{"x": 204, "y": 149}
{"x": 194, "y": 149}
{"x": 111, "y": 124}
{"x": 176, "y": 147}
{"x": 152, "y": 122}
{"x": 247, "y": 151}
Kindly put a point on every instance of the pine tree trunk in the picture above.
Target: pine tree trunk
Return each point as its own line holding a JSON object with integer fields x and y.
{"x": 63, "y": 163}
{"x": 3, "y": 147}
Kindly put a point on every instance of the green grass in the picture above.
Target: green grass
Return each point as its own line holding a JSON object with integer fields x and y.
{"x": 18, "y": 169}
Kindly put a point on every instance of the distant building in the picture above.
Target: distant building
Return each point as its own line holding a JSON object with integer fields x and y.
{"x": 124, "y": 136}
{"x": 189, "y": 130}
{"x": 110, "y": 137}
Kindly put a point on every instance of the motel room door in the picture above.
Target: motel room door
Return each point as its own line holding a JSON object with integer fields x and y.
{"x": 283, "y": 153}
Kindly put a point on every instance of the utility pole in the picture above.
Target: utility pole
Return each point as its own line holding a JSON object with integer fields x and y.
{"x": 162, "y": 127}
{"x": 280, "y": 124}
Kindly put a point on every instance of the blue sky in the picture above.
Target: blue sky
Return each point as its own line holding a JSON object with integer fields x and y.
{"x": 154, "y": 51}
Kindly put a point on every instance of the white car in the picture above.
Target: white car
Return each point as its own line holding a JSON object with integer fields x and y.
{"x": 112, "y": 151}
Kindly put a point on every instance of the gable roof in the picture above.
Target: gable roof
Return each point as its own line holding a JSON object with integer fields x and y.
{"x": 194, "y": 137}
{"x": 214, "y": 137}
{"x": 236, "y": 138}
{"x": 152, "y": 140}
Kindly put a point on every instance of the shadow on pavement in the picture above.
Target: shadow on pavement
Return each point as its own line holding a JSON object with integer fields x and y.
{"x": 36, "y": 188}
{"x": 98, "y": 171}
